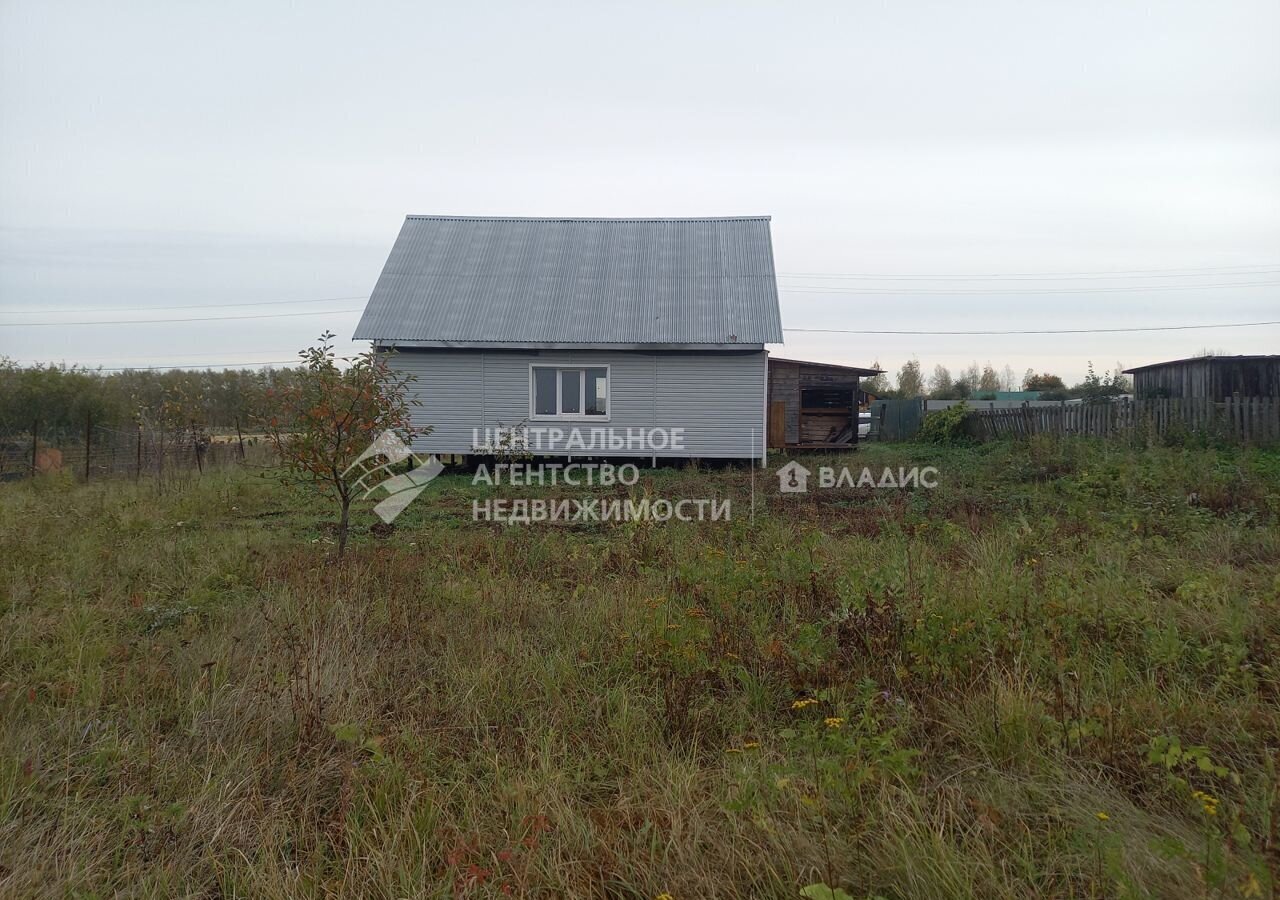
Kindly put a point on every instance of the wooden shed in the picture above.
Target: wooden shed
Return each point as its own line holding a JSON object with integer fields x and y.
{"x": 1215, "y": 377}
{"x": 813, "y": 404}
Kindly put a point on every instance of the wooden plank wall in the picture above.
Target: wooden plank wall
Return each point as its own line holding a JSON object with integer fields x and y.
{"x": 784, "y": 389}
{"x": 1217, "y": 377}
{"x": 1243, "y": 420}
{"x": 777, "y": 424}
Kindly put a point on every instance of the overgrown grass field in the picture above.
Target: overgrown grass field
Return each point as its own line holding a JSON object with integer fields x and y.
{"x": 1053, "y": 675}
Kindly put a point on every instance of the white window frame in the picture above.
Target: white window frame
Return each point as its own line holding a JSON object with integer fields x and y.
{"x": 560, "y": 369}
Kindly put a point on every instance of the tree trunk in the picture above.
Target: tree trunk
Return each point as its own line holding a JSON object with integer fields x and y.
{"x": 342, "y": 526}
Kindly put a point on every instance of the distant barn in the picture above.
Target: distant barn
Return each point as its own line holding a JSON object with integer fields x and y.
{"x": 1215, "y": 377}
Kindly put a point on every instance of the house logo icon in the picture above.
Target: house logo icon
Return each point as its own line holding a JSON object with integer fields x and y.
{"x": 793, "y": 478}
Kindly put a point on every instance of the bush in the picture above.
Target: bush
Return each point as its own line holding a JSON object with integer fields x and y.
{"x": 948, "y": 426}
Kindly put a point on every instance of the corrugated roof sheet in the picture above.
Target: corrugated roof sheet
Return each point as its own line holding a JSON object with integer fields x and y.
{"x": 839, "y": 367}
{"x": 1199, "y": 359}
{"x": 577, "y": 281}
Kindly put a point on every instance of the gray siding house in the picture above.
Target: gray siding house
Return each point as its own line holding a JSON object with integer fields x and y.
{"x": 585, "y": 334}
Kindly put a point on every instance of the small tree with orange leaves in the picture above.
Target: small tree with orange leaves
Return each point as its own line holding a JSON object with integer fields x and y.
{"x": 330, "y": 413}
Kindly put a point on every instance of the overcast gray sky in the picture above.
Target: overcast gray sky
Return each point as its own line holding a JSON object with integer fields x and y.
{"x": 167, "y": 155}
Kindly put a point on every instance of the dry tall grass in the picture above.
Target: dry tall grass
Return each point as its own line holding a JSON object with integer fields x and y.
{"x": 196, "y": 701}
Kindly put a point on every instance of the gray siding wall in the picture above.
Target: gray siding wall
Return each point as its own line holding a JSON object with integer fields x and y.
{"x": 716, "y": 397}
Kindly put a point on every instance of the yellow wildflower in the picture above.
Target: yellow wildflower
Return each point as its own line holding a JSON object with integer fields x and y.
{"x": 1103, "y": 817}
{"x": 834, "y": 721}
{"x": 801, "y": 704}
{"x": 750, "y": 745}
{"x": 1208, "y": 802}
{"x": 664, "y": 896}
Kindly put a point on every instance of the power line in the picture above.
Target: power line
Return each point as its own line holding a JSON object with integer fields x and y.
{"x": 326, "y": 312}
{"x": 172, "y": 355}
{"x": 245, "y": 365}
{"x": 191, "y": 306}
{"x": 804, "y": 331}
{"x": 815, "y": 289}
{"x": 1045, "y": 331}
{"x": 820, "y": 276}
{"x": 1203, "y": 272}
{"x": 189, "y": 368}
{"x": 854, "y": 277}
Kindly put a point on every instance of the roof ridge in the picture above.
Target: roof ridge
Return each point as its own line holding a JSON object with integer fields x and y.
{"x": 590, "y": 218}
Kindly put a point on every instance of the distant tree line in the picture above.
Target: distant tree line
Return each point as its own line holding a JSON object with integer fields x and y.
{"x": 61, "y": 397}
{"x": 984, "y": 383}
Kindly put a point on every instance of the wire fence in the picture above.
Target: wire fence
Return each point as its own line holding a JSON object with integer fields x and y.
{"x": 102, "y": 451}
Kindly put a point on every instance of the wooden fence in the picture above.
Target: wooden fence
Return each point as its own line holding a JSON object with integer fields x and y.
{"x": 1240, "y": 420}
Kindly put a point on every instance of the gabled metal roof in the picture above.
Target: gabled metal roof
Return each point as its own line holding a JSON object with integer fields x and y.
{"x": 454, "y": 280}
